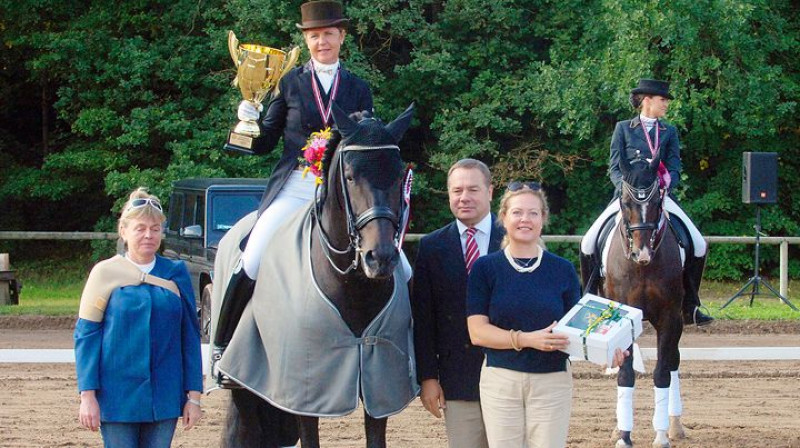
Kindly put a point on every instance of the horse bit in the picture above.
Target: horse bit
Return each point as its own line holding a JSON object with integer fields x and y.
{"x": 356, "y": 223}
{"x": 643, "y": 196}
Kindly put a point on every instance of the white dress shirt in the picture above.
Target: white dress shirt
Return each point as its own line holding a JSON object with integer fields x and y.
{"x": 484, "y": 231}
{"x": 325, "y": 73}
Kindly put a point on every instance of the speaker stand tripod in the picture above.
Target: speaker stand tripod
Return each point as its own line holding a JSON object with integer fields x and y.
{"x": 756, "y": 281}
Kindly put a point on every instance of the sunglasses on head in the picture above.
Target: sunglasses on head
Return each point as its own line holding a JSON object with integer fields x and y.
{"x": 141, "y": 202}
{"x": 517, "y": 185}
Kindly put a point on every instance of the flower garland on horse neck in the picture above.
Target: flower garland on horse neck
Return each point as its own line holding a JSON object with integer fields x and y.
{"x": 313, "y": 152}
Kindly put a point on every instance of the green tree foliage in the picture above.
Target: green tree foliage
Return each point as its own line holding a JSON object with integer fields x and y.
{"x": 101, "y": 97}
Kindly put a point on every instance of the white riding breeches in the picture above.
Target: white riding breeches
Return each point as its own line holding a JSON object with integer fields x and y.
{"x": 296, "y": 193}
{"x": 589, "y": 240}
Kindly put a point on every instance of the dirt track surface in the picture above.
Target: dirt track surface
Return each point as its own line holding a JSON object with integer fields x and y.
{"x": 726, "y": 404}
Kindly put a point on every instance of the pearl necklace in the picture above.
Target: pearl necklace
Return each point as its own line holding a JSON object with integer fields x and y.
{"x": 519, "y": 268}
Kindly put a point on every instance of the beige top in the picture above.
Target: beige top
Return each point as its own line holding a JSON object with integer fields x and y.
{"x": 108, "y": 275}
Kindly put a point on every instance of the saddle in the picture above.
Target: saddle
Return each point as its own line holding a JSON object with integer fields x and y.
{"x": 677, "y": 227}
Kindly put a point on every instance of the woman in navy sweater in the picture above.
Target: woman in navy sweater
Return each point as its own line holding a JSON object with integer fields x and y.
{"x": 514, "y": 298}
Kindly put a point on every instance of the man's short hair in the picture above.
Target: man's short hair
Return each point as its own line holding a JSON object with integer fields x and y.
{"x": 472, "y": 164}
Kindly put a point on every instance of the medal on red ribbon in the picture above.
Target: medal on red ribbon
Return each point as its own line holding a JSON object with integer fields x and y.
{"x": 324, "y": 113}
{"x": 664, "y": 178}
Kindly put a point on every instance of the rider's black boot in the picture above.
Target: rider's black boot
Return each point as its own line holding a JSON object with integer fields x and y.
{"x": 692, "y": 275}
{"x": 240, "y": 290}
{"x": 590, "y": 273}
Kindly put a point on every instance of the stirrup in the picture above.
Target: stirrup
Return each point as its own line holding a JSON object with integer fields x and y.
{"x": 223, "y": 381}
{"x": 705, "y": 317}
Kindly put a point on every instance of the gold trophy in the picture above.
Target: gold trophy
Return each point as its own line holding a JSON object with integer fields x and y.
{"x": 258, "y": 71}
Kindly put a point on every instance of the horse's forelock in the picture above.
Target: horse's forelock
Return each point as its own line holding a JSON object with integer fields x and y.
{"x": 641, "y": 175}
{"x": 379, "y": 168}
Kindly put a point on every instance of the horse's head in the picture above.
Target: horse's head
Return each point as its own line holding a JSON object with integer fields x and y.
{"x": 364, "y": 189}
{"x": 641, "y": 205}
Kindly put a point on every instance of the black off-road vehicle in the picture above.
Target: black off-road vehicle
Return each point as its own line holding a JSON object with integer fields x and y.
{"x": 201, "y": 210}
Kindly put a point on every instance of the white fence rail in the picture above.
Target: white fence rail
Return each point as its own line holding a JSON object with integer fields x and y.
{"x": 781, "y": 241}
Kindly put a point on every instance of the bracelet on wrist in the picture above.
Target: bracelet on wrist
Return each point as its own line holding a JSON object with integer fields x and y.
{"x": 194, "y": 402}
{"x": 515, "y": 340}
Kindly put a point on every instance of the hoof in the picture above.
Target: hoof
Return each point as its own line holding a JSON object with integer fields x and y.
{"x": 661, "y": 440}
{"x": 676, "y": 431}
{"x": 624, "y": 440}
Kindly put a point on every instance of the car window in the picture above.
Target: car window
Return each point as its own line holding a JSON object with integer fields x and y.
{"x": 175, "y": 212}
{"x": 189, "y": 210}
{"x": 227, "y": 208}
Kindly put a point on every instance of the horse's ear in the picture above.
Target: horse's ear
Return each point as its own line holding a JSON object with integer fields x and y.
{"x": 624, "y": 165}
{"x": 400, "y": 124}
{"x": 344, "y": 124}
{"x": 655, "y": 162}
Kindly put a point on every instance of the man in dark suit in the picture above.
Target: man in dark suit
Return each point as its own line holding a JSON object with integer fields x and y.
{"x": 448, "y": 365}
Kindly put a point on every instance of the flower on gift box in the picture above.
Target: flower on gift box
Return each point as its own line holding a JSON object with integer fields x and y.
{"x": 313, "y": 152}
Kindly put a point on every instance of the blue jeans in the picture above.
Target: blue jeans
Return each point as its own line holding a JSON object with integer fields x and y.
{"x": 138, "y": 435}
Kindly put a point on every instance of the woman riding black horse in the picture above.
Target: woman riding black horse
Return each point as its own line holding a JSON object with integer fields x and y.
{"x": 643, "y": 137}
{"x": 302, "y": 107}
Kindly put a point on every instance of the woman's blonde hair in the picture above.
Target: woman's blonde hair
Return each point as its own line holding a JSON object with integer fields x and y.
{"x": 503, "y": 210}
{"x": 144, "y": 211}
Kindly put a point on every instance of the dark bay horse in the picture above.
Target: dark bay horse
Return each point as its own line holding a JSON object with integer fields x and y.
{"x": 644, "y": 269}
{"x": 355, "y": 226}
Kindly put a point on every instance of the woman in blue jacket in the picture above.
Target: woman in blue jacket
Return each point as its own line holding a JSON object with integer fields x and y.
{"x": 641, "y": 138}
{"x": 137, "y": 341}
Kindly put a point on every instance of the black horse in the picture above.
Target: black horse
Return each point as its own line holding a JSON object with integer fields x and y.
{"x": 643, "y": 269}
{"x": 355, "y": 224}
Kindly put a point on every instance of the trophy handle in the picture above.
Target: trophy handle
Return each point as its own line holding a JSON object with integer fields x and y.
{"x": 233, "y": 47}
{"x": 288, "y": 64}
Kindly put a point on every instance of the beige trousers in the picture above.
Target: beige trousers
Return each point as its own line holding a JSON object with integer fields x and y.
{"x": 526, "y": 410}
{"x": 464, "y": 424}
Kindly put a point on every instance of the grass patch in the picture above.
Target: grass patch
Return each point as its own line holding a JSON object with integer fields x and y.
{"x": 765, "y": 306}
{"x": 51, "y": 288}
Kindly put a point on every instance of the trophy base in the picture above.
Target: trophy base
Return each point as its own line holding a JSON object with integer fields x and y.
{"x": 240, "y": 143}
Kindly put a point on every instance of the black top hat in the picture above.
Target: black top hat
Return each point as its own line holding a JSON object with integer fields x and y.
{"x": 321, "y": 14}
{"x": 652, "y": 87}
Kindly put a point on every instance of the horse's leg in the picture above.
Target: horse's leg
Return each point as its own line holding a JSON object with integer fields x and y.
{"x": 375, "y": 429}
{"x": 309, "y": 431}
{"x": 668, "y": 332}
{"x": 626, "y": 380}
{"x": 676, "y": 431}
{"x": 243, "y": 426}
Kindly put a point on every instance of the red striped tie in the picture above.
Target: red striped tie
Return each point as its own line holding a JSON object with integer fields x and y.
{"x": 472, "y": 252}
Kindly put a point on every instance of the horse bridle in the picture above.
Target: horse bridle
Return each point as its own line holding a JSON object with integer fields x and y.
{"x": 643, "y": 196}
{"x": 356, "y": 223}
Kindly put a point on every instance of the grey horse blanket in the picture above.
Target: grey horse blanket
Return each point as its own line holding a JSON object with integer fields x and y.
{"x": 293, "y": 349}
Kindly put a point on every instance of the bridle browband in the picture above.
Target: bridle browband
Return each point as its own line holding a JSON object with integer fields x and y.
{"x": 355, "y": 223}
{"x": 643, "y": 196}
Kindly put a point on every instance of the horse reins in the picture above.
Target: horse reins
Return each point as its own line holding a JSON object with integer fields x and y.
{"x": 643, "y": 196}
{"x": 355, "y": 223}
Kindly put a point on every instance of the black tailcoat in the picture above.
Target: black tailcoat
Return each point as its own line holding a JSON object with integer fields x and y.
{"x": 439, "y": 304}
{"x": 629, "y": 140}
{"x": 293, "y": 115}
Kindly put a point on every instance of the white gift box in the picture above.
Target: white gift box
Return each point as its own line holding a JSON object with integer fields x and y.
{"x": 597, "y": 327}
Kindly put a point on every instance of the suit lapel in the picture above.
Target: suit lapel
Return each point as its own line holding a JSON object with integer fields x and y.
{"x": 638, "y": 130}
{"x": 452, "y": 254}
{"x": 310, "y": 112}
{"x": 496, "y": 236}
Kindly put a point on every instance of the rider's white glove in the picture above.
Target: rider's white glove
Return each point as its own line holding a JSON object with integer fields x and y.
{"x": 248, "y": 111}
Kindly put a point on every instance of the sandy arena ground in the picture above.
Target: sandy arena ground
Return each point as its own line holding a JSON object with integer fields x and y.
{"x": 726, "y": 404}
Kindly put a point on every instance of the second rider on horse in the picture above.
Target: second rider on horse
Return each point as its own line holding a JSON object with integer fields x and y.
{"x": 642, "y": 137}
